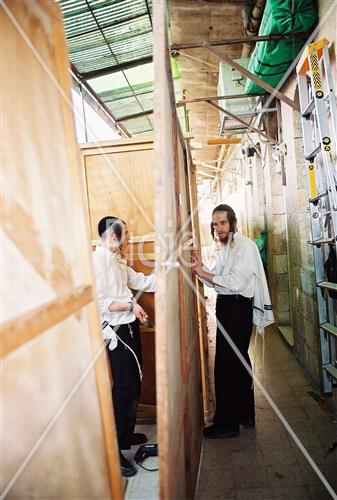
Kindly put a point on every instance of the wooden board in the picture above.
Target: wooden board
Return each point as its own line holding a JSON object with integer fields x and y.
{"x": 58, "y": 427}
{"x": 179, "y": 398}
{"x": 201, "y": 310}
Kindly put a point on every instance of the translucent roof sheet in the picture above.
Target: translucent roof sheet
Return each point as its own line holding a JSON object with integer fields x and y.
{"x": 103, "y": 34}
{"x": 105, "y": 38}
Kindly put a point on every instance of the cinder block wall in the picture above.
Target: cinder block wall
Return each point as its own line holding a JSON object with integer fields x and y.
{"x": 277, "y": 244}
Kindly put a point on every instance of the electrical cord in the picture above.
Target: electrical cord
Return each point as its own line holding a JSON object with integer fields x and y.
{"x": 149, "y": 470}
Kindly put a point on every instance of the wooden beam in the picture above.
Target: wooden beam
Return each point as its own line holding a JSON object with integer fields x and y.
{"x": 216, "y": 98}
{"x": 207, "y": 175}
{"x": 223, "y": 140}
{"x": 16, "y": 332}
{"x": 255, "y": 79}
{"x": 253, "y": 129}
{"x": 204, "y": 165}
{"x": 243, "y": 39}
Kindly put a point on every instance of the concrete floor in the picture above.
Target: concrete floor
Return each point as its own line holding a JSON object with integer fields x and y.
{"x": 265, "y": 463}
{"x": 144, "y": 485}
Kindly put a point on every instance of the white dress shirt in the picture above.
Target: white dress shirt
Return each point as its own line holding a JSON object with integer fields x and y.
{"x": 239, "y": 271}
{"x": 114, "y": 278}
{"x": 233, "y": 274}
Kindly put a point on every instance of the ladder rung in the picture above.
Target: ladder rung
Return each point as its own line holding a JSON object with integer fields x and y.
{"x": 322, "y": 241}
{"x": 316, "y": 198}
{"x": 329, "y": 328}
{"x": 328, "y": 285}
{"x": 313, "y": 153}
{"x": 331, "y": 369}
{"x": 308, "y": 110}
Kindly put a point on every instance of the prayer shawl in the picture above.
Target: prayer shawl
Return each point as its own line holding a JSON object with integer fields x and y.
{"x": 262, "y": 310}
{"x": 245, "y": 250}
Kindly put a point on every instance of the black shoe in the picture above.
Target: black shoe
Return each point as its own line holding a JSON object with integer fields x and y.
{"x": 138, "y": 438}
{"x": 248, "y": 423}
{"x": 127, "y": 469}
{"x": 213, "y": 432}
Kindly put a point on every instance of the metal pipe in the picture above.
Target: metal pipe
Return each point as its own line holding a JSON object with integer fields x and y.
{"x": 246, "y": 125}
{"x": 216, "y": 98}
{"x": 242, "y": 39}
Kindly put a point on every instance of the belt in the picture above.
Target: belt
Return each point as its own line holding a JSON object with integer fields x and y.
{"x": 234, "y": 295}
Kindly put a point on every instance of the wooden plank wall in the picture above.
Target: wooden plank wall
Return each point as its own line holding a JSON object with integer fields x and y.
{"x": 179, "y": 400}
{"x": 202, "y": 318}
{"x": 58, "y": 433}
{"x": 119, "y": 181}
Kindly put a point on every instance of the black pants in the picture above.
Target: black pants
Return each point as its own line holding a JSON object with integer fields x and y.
{"x": 233, "y": 384}
{"x": 126, "y": 382}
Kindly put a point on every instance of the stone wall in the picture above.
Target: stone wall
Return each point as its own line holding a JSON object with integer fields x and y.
{"x": 276, "y": 238}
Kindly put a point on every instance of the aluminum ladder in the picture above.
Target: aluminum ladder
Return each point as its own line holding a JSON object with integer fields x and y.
{"x": 319, "y": 125}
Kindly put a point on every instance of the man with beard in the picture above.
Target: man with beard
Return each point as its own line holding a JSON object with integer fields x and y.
{"x": 242, "y": 299}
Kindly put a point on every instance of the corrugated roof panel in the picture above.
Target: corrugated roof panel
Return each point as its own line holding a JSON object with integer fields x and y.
{"x": 128, "y": 29}
{"x": 120, "y": 10}
{"x": 93, "y": 59}
{"x": 146, "y": 101}
{"x": 124, "y": 107}
{"x": 141, "y": 43}
{"x": 79, "y": 18}
{"x": 103, "y": 34}
{"x": 72, "y": 7}
{"x": 139, "y": 125}
{"x": 117, "y": 96}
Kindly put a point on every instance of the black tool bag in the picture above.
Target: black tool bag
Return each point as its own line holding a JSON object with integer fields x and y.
{"x": 330, "y": 267}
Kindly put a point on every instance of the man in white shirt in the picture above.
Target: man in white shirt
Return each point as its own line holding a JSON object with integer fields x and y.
{"x": 240, "y": 282}
{"x": 120, "y": 315}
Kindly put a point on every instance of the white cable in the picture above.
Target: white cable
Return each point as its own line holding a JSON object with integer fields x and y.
{"x": 135, "y": 356}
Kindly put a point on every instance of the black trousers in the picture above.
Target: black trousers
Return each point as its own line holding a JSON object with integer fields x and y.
{"x": 126, "y": 382}
{"x": 233, "y": 384}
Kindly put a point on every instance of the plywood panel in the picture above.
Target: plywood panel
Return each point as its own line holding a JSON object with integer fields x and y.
{"x": 37, "y": 394}
{"x": 58, "y": 427}
{"x": 177, "y": 348}
{"x": 121, "y": 184}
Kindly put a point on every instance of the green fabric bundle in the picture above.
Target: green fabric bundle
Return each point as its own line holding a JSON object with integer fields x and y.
{"x": 270, "y": 60}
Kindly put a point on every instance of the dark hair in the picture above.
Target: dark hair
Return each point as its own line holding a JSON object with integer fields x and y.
{"x": 230, "y": 215}
{"x": 111, "y": 222}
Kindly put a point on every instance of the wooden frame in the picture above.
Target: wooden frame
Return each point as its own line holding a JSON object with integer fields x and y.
{"x": 118, "y": 178}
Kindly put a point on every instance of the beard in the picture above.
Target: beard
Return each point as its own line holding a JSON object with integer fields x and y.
{"x": 223, "y": 238}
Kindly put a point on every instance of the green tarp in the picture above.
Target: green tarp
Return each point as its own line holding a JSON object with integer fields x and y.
{"x": 270, "y": 60}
